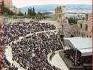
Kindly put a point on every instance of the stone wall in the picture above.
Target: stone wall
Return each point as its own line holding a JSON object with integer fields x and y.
{"x": 90, "y": 25}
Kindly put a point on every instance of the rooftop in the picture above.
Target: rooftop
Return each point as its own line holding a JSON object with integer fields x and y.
{"x": 84, "y": 45}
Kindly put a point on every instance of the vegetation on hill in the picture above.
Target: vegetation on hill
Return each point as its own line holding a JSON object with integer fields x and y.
{"x": 8, "y": 12}
{"x": 72, "y": 20}
{"x": 31, "y": 13}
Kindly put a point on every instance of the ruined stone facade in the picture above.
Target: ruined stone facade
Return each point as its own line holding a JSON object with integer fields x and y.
{"x": 90, "y": 26}
{"x": 62, "y": 20}
{"x": 8, "y": 4}
{"x": 85, "y": 26}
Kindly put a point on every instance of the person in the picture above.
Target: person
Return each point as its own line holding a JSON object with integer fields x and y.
{"x": 1, "y": 58}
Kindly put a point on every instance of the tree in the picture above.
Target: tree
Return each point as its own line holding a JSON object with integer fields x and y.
{"x": 86, "y": 16}
{"x": 72, "y": 20}
{"x": 39, "y": 15}
{"x": 31, "y": 12}
{"x": 20, "y": 13}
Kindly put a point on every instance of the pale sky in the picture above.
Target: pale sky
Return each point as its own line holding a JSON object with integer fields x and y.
{"x": 23, "y": 3}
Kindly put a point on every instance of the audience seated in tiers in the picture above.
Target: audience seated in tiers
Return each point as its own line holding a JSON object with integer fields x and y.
{"x": 13, "y": 31}
{"x": 31, "y": 52}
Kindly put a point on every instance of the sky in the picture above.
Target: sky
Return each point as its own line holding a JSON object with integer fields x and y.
{"x": 23, "y": 3}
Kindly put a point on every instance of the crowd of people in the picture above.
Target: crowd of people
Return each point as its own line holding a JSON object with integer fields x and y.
{"x": 13, "y": 31}
{"x": 31, "y": 52}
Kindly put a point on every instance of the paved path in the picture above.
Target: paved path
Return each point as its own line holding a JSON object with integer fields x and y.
{"x": 8, "y": 54}
{"x": 57, "y": 61}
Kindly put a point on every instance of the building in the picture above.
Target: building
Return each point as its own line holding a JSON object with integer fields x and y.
{"x": 90, "y": 25}
{"x": 85, "y": 26}
{"x": 75, "y": 55}
{"x": 8, "y": 4}
{"x": 79, "y": 52}
{"x": 82, "y": 25}
{"x": 62, "y": 20}
{"x": 60, "y": 13}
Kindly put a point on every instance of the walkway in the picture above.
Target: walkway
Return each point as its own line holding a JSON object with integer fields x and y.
{"x": 57, "y": 61}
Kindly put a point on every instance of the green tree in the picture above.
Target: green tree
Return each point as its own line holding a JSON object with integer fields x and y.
{"x": 72, "y": 20}
{"x": 31, "y": 12}
{"x": 86, "y": 16}
{"x": 20, "y": 13}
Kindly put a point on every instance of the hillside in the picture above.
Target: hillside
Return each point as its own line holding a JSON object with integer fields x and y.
{"x": 51, "y": 7}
